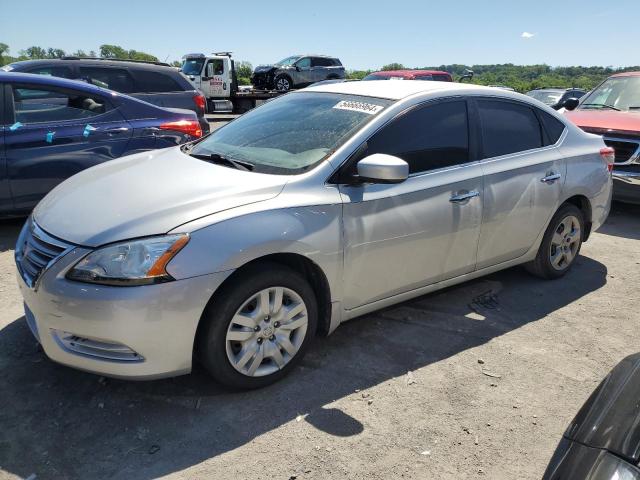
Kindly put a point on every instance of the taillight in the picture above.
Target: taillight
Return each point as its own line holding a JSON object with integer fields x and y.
{"x": 190, "y": 127}
{"x": 608, "y": 154}
{"x": 200, "y": 102}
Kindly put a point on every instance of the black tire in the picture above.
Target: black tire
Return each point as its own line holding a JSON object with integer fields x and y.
{"x": 211, "y": 341}
{"x": 542, "y": 265}
{"x": 283, "y": 80}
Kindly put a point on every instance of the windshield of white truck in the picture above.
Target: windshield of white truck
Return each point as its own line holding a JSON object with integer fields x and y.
{"x": 292, "y": 133}
{"x": 192, "y": 66}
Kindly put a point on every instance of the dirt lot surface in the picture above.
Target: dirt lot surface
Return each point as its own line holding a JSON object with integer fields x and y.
{"x": 498, "y": 367}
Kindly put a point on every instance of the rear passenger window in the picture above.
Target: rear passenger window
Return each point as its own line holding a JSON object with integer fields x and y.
{"x": 427, "y": 137}
{"x": 116, "y": 79}
{"x": 40, "y": 105}
{"x": 552, "y": 126}
{"x": 508, "y": 127}
{"x": 150, "y": 81}
{"x": 322, "y": 62}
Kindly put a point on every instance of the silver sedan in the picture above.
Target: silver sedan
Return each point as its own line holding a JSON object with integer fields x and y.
{"x": 315, "y": 208}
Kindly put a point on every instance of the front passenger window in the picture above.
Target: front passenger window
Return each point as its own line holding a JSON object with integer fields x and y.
{"x": 304, "y": 63}
{"x": 427, "y": 137}
{"x": 508, "y": 127}
{"x": 44, "y": 106}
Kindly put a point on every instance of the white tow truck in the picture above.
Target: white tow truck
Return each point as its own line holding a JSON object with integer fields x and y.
{"x": 215, "y": 76}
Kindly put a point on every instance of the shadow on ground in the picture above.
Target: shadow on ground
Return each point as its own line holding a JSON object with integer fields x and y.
{"x": 624, "y": 221}
{"x": 61, "y": 423}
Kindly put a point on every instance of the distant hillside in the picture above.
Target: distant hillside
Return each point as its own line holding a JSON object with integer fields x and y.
{"x": 522, "y": 77}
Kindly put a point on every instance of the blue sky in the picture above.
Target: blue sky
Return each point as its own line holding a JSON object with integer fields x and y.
{"x": 363, "y": 34}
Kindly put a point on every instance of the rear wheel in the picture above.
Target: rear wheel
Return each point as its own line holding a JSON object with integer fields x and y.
{"x": 560, "y": 245}
{"x": 258, "y": 327}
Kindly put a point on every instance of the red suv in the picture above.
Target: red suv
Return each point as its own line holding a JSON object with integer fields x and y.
{"x": 612, "y": 110}
{"x": 434, "y": 75}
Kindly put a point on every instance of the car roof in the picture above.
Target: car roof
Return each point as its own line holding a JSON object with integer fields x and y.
{"x": 408, "y": 73}
{"x": 406, "y": 88}
{"x": 32, "y": 78}
{"x": 92, "y": 62}
{"x": 627, "y": 74}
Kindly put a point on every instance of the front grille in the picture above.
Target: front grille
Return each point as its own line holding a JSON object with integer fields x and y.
{"x": 627, "y": 151}
{"x": 37, "y": 250}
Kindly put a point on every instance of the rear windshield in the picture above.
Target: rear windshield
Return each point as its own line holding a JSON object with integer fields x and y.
{"x": 292, "y": 133}
{"x": 546, "y": 96}
{"x": 192, "y": 66}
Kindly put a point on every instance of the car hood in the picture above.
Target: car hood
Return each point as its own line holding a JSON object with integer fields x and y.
{"x": 266, "y": 68}
{"x": 147, "y": 194}
{"x": 604, "y": 121}
{"x": 610, "y": 419}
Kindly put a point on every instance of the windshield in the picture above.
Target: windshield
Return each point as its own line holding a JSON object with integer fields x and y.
{"x": 292, "y": 133}
{"x": 287, "y": 62}
{"x": 192, "y": 66}
{"x": 619, "y": 93}
{"x": 545, "y": 96}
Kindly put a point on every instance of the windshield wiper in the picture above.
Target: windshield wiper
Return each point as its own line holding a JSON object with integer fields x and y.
{"x": 600, "y": 105}
{"x": 223, "y": 160}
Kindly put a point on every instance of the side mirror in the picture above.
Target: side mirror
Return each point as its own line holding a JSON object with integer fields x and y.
{"x": 192, "y": 78}
{"x": 297, "y": 68}
{"x": 571, "y": 103}
{"x": 382, "y": 168}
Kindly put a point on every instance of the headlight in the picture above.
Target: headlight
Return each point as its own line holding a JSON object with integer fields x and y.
{"x": 138, "y": 262}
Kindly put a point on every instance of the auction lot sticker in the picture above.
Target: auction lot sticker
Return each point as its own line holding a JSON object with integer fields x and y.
{"x": 363, "y": 107}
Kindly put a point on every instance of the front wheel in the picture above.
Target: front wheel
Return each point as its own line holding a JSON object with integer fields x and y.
{"x": 283, "y": 83}
{"x": 560, "y": 245}
{"x": 258, "y": 327}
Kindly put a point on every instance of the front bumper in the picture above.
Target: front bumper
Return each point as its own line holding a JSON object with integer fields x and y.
{"x": 626, "y": 186}
{"x": 93, "y": 327}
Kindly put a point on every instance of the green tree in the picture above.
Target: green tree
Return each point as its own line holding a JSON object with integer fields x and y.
{"x": 113, "y": 51}
{"x": 135, "y": 55}
{"x": 34, "y": 52}
{"x": 55, "y": 53}
{"x": 176, "y": 63}
{"x": 393, "y": 66}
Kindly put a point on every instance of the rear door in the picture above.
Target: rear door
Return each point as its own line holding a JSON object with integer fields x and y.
{"x": 524, "y": 175}
{"x": 320, "y": 68}
{"x": 55, "y": 133}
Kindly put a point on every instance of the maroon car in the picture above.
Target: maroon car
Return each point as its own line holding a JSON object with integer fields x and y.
{"x": 612, "y": 110}
{"x": 434, "y": 75}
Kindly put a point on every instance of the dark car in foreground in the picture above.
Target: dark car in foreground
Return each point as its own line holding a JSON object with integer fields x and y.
{"x": 434, "y": 75}
{"x": 603, "y": 440}
{"x": 154, "y": 82}
{"x": 52, "y": 128}
{"x": 296, "y": 72}
{"x": 556, "y": 97}
{"x": 612, "y": 110}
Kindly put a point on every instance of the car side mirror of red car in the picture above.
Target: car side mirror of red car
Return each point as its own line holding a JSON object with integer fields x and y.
{"x": 571, "y": 103}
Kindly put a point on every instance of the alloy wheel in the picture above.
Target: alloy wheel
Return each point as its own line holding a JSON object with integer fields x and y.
{"x": 283, "y": 84}
{"x": 267, "y": 331}
{"x": 565, "y": 243}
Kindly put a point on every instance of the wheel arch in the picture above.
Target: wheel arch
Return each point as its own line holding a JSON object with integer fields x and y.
{"x": 583, "y": 203}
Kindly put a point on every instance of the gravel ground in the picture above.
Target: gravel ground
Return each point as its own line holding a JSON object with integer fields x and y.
{"x": 476, "y": 381}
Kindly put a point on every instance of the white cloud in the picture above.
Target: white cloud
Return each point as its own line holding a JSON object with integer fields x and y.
{"x": 527, "y": 35}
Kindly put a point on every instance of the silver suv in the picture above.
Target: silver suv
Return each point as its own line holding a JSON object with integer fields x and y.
{"x": 296, "y": 72}
{"x": 317, "y": 207}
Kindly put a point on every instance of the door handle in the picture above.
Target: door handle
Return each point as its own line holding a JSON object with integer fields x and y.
{"x": 462, "y": 197}
{"x": 116, "y": 130}
{"x": 552, "y": 177}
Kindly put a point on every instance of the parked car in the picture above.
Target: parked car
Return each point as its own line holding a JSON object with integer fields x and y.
{"x": 556, "y": 97}
{"x": 51, "y": 128}
{"x": 154, "y": 82}
{"x": 612, "y": 110}
{"x": 317, "y": 207}
{"x": 296, "y": 72}
{"x": 410, "y": 75}
{"x": 603, "y": 440}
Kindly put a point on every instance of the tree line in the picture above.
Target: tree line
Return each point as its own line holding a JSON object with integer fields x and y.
{"x": 520, "y": 77}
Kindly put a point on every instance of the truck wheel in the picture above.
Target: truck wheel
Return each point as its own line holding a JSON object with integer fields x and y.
{"x": 283, "y": 83}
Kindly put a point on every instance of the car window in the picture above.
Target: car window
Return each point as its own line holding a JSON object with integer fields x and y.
{"x": 427, "y": 137}
{"x": 424, "y": 77}
{"x": 438, "y": 77}
{"x": 215, "y": 67}
{"x": 552, "y": 126}
{"x": 63, "y": 72}
{"x": 151, "y": 81}
{"x": 117, "y": 79}
{"x": 508, "y": 127}
{"x": 192, "y": 66}
{"x": 321, "y": 62}
{"x": 304, "y": 62}
{"x": 41, "y": 105}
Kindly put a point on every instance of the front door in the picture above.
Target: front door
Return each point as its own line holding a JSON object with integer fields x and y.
{"x": 54, "y": 134}
{"x": 304, "y": 74}
{"x": 216, "y": 82}
{"x": 405, "y": 236}
{"x": 523, "y": 180}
